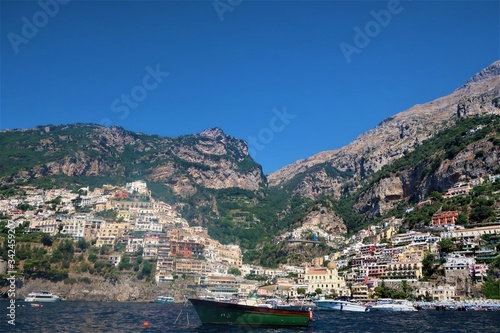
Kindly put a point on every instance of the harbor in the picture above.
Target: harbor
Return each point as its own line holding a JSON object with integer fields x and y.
{"x": 114, "y": 317}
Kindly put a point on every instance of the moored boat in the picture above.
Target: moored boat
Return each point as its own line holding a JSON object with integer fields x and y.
{"x": 394, "y": 306}
{"x": 340, "y": 305}
{"x": 164, "y": 299}
{"x": 214, "y": 312}
{"x": 42, "y": 296}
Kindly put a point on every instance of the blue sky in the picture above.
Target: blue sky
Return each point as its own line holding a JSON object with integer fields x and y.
{"x": 291, "y": 77}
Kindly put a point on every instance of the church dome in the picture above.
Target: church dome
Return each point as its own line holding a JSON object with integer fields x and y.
{"x": 331, "y": 265}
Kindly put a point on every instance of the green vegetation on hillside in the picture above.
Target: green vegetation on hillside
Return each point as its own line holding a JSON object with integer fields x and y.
{"x": 424, "y": 161}
{"x": 444, "y": 145}
{"x": 249, "y": 218}
{"x": 245, "y": 217}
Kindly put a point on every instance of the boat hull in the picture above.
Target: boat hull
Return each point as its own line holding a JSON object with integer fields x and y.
{"x": 42, "y": 297}
{"x": 341, "y": 306}
{"x": 42, "y": 300}
{"x": 213, "y": 312}
{"x": 164, "y": 299}
{"x": 394, "y": 307}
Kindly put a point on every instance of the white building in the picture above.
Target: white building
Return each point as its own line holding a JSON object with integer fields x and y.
{"x": 138, "y": 186}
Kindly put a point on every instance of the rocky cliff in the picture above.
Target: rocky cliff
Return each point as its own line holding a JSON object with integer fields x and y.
{"x": 470, "y": 151}
{"x": 98, "y": 289}
{"x": 210, "y": 159}
{"x": 390, "y": 140}
{"x": 215, "y": 183}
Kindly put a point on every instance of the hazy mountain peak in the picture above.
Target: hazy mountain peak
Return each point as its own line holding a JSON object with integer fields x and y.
{"x": 213, "y": 132}
{"x": 486, "y": 73}
{"x": 394, "y": 136}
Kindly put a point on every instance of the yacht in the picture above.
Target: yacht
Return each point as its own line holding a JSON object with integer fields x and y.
{"x": 394, "y": 306}
{"x": 340, "y": 305}
{"x": 42, "y": 296}
{"x": 164, "y": 299}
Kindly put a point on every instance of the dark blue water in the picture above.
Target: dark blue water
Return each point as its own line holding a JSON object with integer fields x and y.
{"x": 96, "y": 317}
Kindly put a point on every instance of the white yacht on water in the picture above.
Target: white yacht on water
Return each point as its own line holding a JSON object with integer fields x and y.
{"x": 392, "y": 305}
{"x": 340, "y": 304}
{"x": 42, "y": 296}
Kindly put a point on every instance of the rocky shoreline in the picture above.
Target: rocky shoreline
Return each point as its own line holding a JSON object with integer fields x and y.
{"x": 126, "y": 289}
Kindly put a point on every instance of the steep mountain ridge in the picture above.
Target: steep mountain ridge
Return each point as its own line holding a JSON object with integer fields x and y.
{"x": 210, "y": 159}
{"x": 214, "y": 182}
{"x": 391, "y": 139}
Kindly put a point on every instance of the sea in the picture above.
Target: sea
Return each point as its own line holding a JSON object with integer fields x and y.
{"x": 94, "y": 317}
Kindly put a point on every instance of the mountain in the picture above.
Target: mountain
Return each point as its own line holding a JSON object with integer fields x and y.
{"x": 213, "y": 181}
{"x": 342, "y": 171}
{"x": 84, "y": 152}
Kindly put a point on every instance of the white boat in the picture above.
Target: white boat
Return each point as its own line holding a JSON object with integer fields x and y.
{"x": 340, "y": 305}
{"x": 394, "y": 306}
{"x": 164, "y": 299}
{"x": 42, "y": 296}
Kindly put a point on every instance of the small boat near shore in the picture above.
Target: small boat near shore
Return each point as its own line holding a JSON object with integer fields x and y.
{"x": 227, "y": 313}
{"x": 394, "y": 306}
{"x": 42, "y": 296}
{"x": 164, "y": 299}
{"x": 340, "y": 304}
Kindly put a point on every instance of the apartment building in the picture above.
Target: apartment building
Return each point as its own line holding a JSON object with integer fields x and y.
{"x": 444, "y": 218}
{"x": 110, "y": 232}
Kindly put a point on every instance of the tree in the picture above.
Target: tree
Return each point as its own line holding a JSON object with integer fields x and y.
{"x": 462, "y": 219}
{"x": 301, "y": 291}
{"x": 99, "y": 265}
{"x": 435, "y": 195}
{"x": 82, "y": 244}
{"x": 92, "y": 257}
{"x": 105, "y": 249}
{"x": 446, "y": 245}
{"x": 46, "y": 240}
{"x": 234, "y": 271}
{"x": 491, "y": 288}
{"x": 147, "y": 268}
{"x": 318, "y": 291}
{"x": 428, "y": 265}
{"x": 482, "y": 209}
{"x": 405, "y": 286}
{"x": 125, "y": 263}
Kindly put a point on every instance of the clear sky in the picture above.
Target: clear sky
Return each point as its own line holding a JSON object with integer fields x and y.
{"x": 293, "y": 78}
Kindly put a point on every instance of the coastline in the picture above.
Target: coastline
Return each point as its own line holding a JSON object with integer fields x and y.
{"x": 126, "y": 289}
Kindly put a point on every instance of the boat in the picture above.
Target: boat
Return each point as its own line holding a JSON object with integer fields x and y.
{"x": 393, "y": 306}
{"x": 258, "y": 314}
{"x": 340, "y": 305}
{"x": 164, "y": 299}
{"x": 42, "y": 296}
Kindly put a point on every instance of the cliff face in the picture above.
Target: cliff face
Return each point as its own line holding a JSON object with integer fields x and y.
{"x": 210, "y": 159}
{"x": 439, "y": 172}
{"x": 390, "y": 141}
{"x": 391, "y": 138}
{"x": 215, "y": 182}
{"x": 324, "y": 217}
{"x": 126, "y": 289}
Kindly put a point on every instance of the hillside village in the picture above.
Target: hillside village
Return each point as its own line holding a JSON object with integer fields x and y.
{"x": 126, "y": 230}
